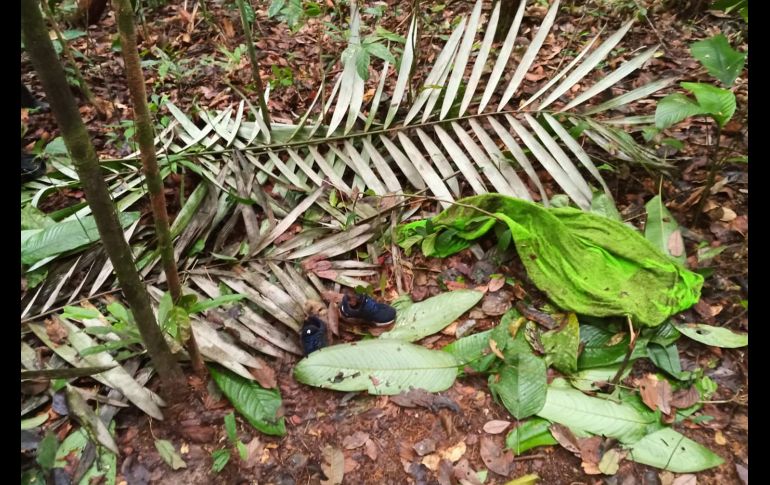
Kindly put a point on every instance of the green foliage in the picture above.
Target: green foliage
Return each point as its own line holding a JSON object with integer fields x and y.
{"x": 219, "y": 459}
{"x": 709, "y": 100}
{"x": 729, "y": 6}
{"x": 259, "y": 406}
{"x": 283, "y": 77}
{"x": 294, "y": 12}
{"x": 719, "y": 58}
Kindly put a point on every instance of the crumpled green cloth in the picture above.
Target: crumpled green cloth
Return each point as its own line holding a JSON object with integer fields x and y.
{"x": 585, "y": 262}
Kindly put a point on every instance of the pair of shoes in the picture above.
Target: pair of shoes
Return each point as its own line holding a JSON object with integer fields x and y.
{"x": 31, "y": 167}
{"x": 365, "y": 309}
{"x": 353, "y": 307}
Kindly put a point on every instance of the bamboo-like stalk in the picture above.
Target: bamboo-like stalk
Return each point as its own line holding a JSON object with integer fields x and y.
{"x": 254, "y": 62}
{"x": 65, "y": 110}
{"x": 145, "y": 135}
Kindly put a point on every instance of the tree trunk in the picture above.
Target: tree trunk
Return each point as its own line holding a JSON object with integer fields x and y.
{"x": 508, "y": 10}
{"x": 51, "y": 74}
{"x": 145, "y": 135}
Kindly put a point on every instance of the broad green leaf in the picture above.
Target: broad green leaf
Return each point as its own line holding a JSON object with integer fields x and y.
{"x": 521, "y": 385}
{"x": 722, "y": 61}
{"x": 717, "y": 102}
{"x": 219, "y": 459}
{"x": 674, "y": 108}
{"x": 663, "y": 335}
{"x": 530, "y": 434}
{"x": 204, "y": 305}
{"x": 429, "y": 316}
{"x": 80, "y": 313}
{"x": 602, "y": 204}
{"x": 669, "y": 450}
{"x": 46, "y": 451}
{"x": 275, "y": 8}
{"x": 572, "y": 408}
{"x": 603, "y": 348}
{"x": 34, "y": 218}
{"x": 362, "y": 63}
{"x": 388, "y": 35}
{"x": 667, "y": 360}
{"x": 259, "y": 406}
{"x": 232, "y": 432}
{"x": 470, "y": 348}
{"x": 170, "y": 456}
{"x": 713, "y": 336}
{"x": 561, "y": 345}
{"x": 56, "y": 239}
{"x": 380, "y": 366}
{"x": 662, "y": 230}
{"x": 378, "y": 50}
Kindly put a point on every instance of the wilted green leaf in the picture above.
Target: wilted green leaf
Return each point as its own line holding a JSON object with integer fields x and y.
{"x": 662, "y": 230}
{"x": 170, "y": 456}
{"x": 259, "y": 406}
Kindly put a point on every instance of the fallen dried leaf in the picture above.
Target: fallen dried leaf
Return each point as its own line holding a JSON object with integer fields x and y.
{"x": 496, "y": 426}
{"x": 333, "y": 466}
{"x": 453, "y": 453}
{"x": 655, "y": 393}
{"x": 370, "y": 449}
{"x": 356, "y": 440}
{"x": 685, "y": 480}
{"x": 425, "y": 446}
{"x": 719, "y": 438}
{"x": 684, "y": 398}
{"x": 494, "y": 457}
{"x": 431, "y": 461}
{"x": 676, "y": 244}
{"x": 566, "y": 439}
{"x": 463, "y": 471}
{"x": 264, "y": 375}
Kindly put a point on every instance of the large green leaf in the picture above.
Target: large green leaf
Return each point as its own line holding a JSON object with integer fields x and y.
{"x": 379, "y": 367}
{"x": 521, "y": 385}
{"x": 429, "y": 316}
{"x": 589, "y": 380}
{"x": 258, "y": 405}
{"x": 662, "y": 230}
{"x": 470, "y": 348}
{"x": 714, "y": 336}
{"x": 572, "y": 408}
{"x": 674, "y": 108}
{"x": 667, "y": 359}
{"x": 604, "y": 348}
{"x": 38, "y": 244}
{"x": 722, "y": 61}
{"x": 672, "y": 451}
{"x": 717, "y": 102}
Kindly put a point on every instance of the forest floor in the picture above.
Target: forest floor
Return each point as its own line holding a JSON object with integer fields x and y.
{"x": 382, "y": 441}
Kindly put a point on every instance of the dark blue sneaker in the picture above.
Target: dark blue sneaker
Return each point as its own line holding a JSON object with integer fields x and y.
{"x": 31, "y": 167}
{"x": 365, "y": 309}
{"x": 313, "y": 335}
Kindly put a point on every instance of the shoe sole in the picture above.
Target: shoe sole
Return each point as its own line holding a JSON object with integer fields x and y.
{"x": 361, "y": 320}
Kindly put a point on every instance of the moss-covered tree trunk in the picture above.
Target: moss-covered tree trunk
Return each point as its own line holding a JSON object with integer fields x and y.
{"x": 145, "y": 136}
{"x": 51, "y": 74}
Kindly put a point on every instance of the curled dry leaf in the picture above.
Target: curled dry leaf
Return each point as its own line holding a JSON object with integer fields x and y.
{"x": 356, "y": 440}
{"x": 590, "y": 454}
{"x": 494, "y": 457}
{"x": 655, "y": 393}
{"x": 496, "y": 283}
{"x": 370, "y": 449}
{"x": 264, "y": 375}
{"x": 496, "y": 426}
{"x": 684, "y": 398}
{"x": 453, "y": 453}
{"x": 566, "y": 439}
{"x": 463, "y": 471}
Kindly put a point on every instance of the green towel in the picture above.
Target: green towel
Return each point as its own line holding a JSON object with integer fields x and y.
{"x": 586, "y": 263}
